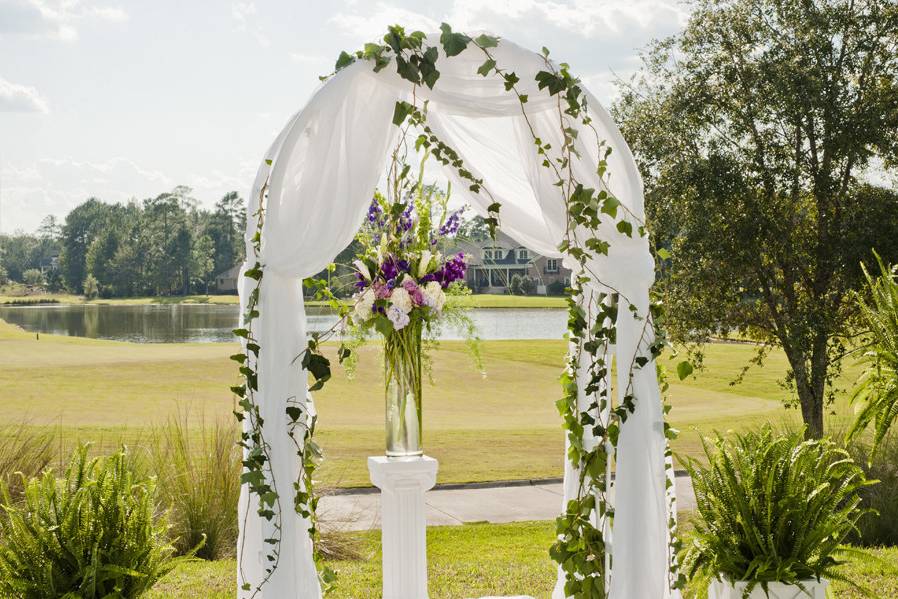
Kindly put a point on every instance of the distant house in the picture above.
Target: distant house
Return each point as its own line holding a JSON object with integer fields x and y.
{"x": 493, "y": 264}
{"x": 226, "y": 281}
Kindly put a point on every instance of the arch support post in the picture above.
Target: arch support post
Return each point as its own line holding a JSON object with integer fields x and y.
{"x": 403, "y": 482}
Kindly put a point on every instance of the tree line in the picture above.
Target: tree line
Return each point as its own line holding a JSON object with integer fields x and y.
{"x": 165, "y": 245}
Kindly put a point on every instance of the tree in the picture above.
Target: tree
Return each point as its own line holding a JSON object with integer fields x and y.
{"x": 81, "y": 227}
{"x": 91, "y": 287}
{"x": 474, "y": 229}
{"x": 225, "y": 228}
{"x": 753, "y": 129}
{"x": 201, "y": 260}
{"x": 33, "y": 278}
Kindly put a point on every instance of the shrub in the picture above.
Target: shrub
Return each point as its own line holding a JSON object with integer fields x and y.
{"x": 879, "y": 526}
{"x": 198, "y": 473}
{"x": 773, "y": 508}
{"x": 91, "y": 287}
{"x": 91, "y": 535}
{"x": 556, "y": 288}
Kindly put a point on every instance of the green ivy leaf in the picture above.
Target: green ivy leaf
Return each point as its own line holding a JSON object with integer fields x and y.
{"x": 663, "y": 253}
{"x": 625, "y": 227}
{"x": 487, "y": 67}
{"x": 510, "y": 80}
{"x": 402, "y": 110}
{"x": 344, "y": 60}
{"x": 609, "y": 206}
{"x": 453, "y": 43}
{"x": 486, "y": 41}
{"x": 684, "y": 369}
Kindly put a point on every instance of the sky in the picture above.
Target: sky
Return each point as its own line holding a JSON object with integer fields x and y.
{"x": 121, "y": 100}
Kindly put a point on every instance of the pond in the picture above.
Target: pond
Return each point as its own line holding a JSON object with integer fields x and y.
{"x": 178, "y": 323}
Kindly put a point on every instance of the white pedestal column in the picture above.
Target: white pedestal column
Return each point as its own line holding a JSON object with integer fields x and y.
{"x": 402, "y": 482}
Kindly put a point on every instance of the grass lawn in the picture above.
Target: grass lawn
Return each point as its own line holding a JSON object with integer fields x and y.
{"x": 501, "y": 426}
{"x": 473, "y": 301}
{"x": 475, "y": 560}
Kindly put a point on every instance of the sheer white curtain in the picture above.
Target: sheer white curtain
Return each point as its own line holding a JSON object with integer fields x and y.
{"x": 324, "y": 167}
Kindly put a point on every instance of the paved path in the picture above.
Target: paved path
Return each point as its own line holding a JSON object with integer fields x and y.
{"x": 452, "y": 506}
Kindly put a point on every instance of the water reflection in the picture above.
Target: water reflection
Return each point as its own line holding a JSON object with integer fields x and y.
{"x": 176, "y": 323}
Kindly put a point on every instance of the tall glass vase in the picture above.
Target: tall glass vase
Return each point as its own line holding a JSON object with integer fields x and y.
{"x": 402, "y": 377}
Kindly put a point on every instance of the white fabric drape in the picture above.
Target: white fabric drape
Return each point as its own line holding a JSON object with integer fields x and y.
{"x": 323, "y": 169}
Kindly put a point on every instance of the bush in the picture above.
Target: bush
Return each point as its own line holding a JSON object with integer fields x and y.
{"x": 556, "y": 288}
{"x": 88, "y": 536}
{"x": 879, "y": 527}
{"x": 198, "y": 473}
{"x": 773, "y": 508}
{"x": 522, "y": 285}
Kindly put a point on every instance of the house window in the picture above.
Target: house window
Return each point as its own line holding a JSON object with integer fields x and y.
{"x": 523, "y": 254}
{"x": 552, "y": 265}
{"x": 488, "y": 254}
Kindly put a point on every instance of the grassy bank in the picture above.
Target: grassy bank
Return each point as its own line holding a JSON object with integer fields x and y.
{"x": 501, "y": 426}
{"x": 476, "y": 560}
{"x": 471, "y": 301}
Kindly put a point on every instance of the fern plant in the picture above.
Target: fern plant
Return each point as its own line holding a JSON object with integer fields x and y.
{"x": 774, "y": 508}
{"x": 877, "y": 387}
{"x": 92, "y": 534}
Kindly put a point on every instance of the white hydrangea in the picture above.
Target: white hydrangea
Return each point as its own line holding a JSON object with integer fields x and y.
{"x": 364, "y": 306}
{"x": 401, "y": 299}
{"x": 434, "y": 296}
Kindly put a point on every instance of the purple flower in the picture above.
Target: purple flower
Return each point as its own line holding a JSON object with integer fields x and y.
{"x": 414, "y": 291}
{"x": 374, "y": 212}
{"x": 450, "y": 227}
{"x": 360, "y": 281}
{"x": 453, "y": 270}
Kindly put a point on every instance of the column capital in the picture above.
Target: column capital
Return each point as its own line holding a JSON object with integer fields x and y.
{"x": 388, "y": 474}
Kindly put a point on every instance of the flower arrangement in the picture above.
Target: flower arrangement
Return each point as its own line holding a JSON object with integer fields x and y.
{"x": 401, "y": 275}
{"x": 404, "y": 290}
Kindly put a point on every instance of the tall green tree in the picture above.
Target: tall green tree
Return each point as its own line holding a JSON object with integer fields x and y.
{"x": 225, "y": 228}
{"x": 82, "y": 225}
{"x": 754, "y": 129}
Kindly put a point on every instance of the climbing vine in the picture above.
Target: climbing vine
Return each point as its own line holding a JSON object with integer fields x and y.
{"x": 592, "y": 430}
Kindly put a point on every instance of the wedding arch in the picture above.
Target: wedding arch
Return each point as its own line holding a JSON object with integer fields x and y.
{"x": 533, "y": 151}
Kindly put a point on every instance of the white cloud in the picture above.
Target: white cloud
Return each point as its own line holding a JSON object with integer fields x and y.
{"x": 55, "y": 186}
{"x": 245, "y": 15}
{"x": 373, "y": 24}
{"x": 302, "y": 57}
{"x": 20, "y": 98}
{"x": 52, "y": 19}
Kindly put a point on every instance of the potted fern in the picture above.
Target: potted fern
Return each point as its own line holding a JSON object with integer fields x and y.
{"x": 775, "y": 511}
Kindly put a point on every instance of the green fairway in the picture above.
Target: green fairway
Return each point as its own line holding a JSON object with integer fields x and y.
{"x": 473, "y": 561}
{"x": 503, "y": 425}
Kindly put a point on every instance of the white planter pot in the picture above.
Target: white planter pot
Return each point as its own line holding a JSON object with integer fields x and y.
{"x": 775, "y": 590}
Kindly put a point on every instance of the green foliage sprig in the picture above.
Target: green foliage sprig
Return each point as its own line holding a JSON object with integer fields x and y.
{"x": 877, "y": 387}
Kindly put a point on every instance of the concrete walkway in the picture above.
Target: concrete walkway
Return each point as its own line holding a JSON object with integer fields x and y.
{"x": 359, "y": 509}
